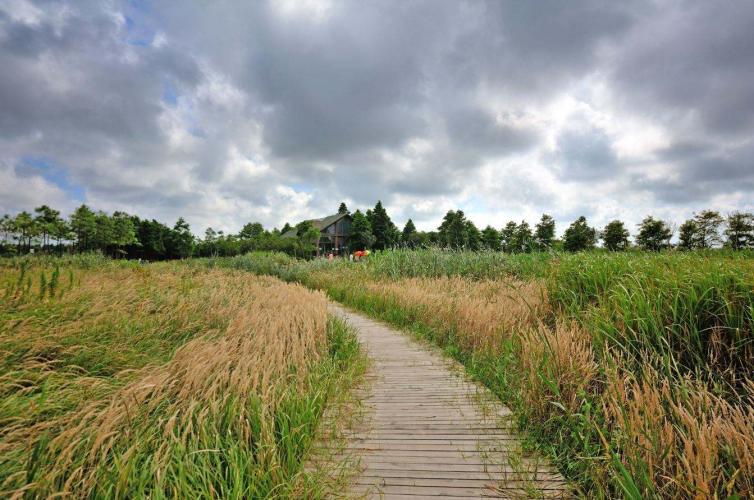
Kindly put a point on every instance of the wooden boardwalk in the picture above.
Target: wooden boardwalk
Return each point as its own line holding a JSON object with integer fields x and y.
{"x": 428, "y": 431}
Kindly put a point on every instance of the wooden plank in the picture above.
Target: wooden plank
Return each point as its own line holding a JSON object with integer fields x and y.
{"x": 428, "y": 431}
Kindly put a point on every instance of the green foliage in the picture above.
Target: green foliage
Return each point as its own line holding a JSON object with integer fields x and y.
{"x": 740, "y": 230}
{"x": 579, "y": 236}
{"x": 180, "y": 241}
{"x": 251, "y": 230}
{"x": 92, "y": 343}
{"x": 409, "y": 235}
{"x": 687, "y": 316}
{"x": 508, "y": 236}
{"x": 473, "y": 237}
{"x": 707, "y": 228}
{"x": 522, "y": 240}
{"x": 687, "y": 235}
{"x": 544, "y": 232}
{"x": 654, "y": 234}
{"x": 615, "y": 236}
{"x": 457, "y": 232}
{"x": 491, "y": 239}
{"x": 343, "y": 209}
{"x": 361, "y": 232}
{"x": 385, "y": 233}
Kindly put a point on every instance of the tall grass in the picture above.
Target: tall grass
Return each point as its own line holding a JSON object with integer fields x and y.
{"x": 633, "y": 371}
{"x": 166, "y": 380}
{"x": 695, "y": 312}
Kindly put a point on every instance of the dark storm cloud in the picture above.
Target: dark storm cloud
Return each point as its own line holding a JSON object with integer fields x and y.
{"x": 76, "y": 79}
{"x": 584, "y": 155}
{"x": 693, "y": 59}
{"x": 700, "y": 171}
{"x": 221, "y": 107}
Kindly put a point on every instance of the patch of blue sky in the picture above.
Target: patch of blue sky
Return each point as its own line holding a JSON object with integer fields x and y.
{"x": 301, "y": 188}
{"x": 169, "y": 94}
{"x": 474, "y": 205}
{"x": 52, "y": 173}
{"x": 138, "y": 35}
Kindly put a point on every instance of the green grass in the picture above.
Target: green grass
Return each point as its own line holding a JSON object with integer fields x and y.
{"x": 68, "y": 360}
{"x": 680, "y": 319}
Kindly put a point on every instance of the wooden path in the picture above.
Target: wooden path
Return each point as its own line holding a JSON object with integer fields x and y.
{"x": 428, "y": 431}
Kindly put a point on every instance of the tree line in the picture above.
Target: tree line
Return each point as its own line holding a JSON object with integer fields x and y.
{"x": 706, "y": 229}
{"x": 128, "y": 236}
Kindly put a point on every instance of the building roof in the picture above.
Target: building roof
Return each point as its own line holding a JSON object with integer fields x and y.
{"x": 321, "y": 224}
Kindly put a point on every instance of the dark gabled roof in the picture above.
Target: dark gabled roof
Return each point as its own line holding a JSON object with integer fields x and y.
{"x": 320, "y": 224}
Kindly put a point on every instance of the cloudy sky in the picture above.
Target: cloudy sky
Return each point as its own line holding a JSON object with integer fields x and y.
{"x": 226, "y": 112}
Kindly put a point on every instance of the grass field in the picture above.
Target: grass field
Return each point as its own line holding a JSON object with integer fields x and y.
{"x": 166, "y": 380}
{"x": 632, "y": 370}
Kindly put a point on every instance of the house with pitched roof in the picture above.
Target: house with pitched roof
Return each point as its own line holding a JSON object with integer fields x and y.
{"x": 334, "y": 231}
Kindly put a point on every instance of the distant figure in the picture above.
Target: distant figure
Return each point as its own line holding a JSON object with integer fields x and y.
{"x": 350, "y": 257}
{"x": 360, "y": 253}
{"x": 330, "y": 256}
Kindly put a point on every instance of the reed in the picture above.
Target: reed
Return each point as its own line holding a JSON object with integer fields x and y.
{"x": 165, "y": 380}
{"x": 631, "y": 370}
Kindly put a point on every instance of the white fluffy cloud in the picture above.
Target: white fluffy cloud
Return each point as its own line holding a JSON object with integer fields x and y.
{"x": 277, "y": 111}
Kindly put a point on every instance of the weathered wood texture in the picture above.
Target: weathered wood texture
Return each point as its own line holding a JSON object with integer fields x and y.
{"x": 426, "y": 430}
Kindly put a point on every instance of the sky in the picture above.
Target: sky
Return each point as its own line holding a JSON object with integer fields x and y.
{"x": 229, "y": 112}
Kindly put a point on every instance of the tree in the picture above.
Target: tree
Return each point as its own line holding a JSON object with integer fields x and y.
{"x": 384, "y": 231}
{"x": 707, "y": 228}
{"x": 453, "y": 231}
{"x": 104, "y": 234}
{"x": 60, "y": 231}
{"x": 250, "y": 231}
{"x": 654, "y": 234}
{"x": 124, "y": 233}
{"x": 6, "y": 227}
{"x": 522, "y": 240}
{"x": 507, "y": 236}
{"x": 409, "y": 235}
{"x": 579, "y": 236}
{"x": 25, "y": 228}
{"x": 615, "y": 236}
{"x": 740, "y": 230}
{"x": 342, "y": 209}
{"x": 687, "y": 235}
{"x": 361, "y": 232}
{"x": 473, "y": 236}
{"x": 180, "y": 241}
{"x": 491, "y": 238}
{"x": 544, "y": 232}
{"x": 84, "y": 225}
{"x": 46, "y": 220}
{"x": 308, "y": 238}
{"x": 287, "y": 227}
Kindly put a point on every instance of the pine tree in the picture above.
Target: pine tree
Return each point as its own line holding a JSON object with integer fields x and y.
{"x": 453, "y": 232}
{"x": 523, "y": 240}
{"x": 361, "y": 232}
{"x": 707, "y": 228}
{"x": 409, "y": 235}
{"x": 740, "y": 230}
{"x": 507, "y": 237}
{"x": 384, "y": 231}
{"x": 342, "y": 209}
{"x": 84, "y": 225}
{"x": 544, "y": 232}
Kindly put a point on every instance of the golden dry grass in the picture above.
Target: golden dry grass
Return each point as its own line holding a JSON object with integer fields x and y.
{"x": 675, "y": 437}
{"x": 210, "y": 383}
